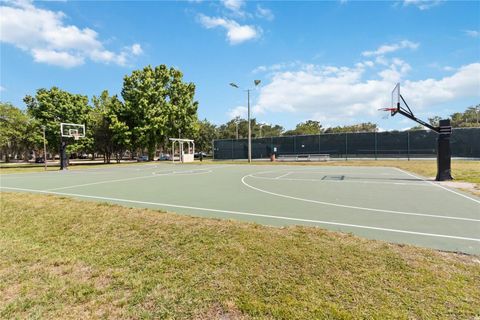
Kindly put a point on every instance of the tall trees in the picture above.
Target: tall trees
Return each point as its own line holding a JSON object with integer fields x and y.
{"x": 469, "y": 118}
{"x": 158, "y": 104}
{"x": 307, "y": 127}
{"x": 19, "y": 133}
{"x": 361, "y": 127}
{"x": 207, "y": 132}
{"x": 111, "y": 135}
{"x": 52, "y": 106}
{"x": 267, "y": 130}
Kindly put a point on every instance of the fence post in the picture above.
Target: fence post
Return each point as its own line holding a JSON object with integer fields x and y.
{"x": 376, "y": 157}
{"x": 346, "y": 146}
{"x": 319, "y": 144}
{"x": 408, "y": 145}
{"x": 213, "y": 149}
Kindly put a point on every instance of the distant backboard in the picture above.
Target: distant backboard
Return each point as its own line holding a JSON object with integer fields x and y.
{"x": 72, "y": 130}
{"x": 396, "y": 97}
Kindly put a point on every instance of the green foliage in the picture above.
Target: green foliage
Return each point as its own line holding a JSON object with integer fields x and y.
{"x": 19, "y": 133}
{"x": 54, "y": 106}
{"x": 361, "y": 127}
{"x": 207, "y": 132}
{"x": 304, "y": 128}
{"x": 110, "y": 135}
{"x": 158, "y": 105}
{"x": 417, "y": 127}
{"x": 229, "y": 129}
{"x": 469, "y": 118}
{"x": 434, "y": 121}
{"x": 267, "y": 130}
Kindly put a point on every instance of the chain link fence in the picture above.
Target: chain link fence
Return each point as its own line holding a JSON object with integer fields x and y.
{"x": 465, "y": 142}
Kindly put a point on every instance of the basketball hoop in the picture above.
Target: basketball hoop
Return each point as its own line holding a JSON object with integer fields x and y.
{"x": 388, "y": 112}
{"x": 74, "y": 133}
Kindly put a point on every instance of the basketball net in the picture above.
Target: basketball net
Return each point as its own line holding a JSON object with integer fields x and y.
{"x": 386, "y": 115}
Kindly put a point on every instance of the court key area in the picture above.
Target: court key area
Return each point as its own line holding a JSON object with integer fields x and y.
{"x": 373, "y": 202}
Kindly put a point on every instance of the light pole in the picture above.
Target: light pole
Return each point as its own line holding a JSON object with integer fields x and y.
{"x": 44, "y": 148}
{"x": 261, "y": 126}
{"x": 236, "y": 126}
{"x": 256, "y": 82}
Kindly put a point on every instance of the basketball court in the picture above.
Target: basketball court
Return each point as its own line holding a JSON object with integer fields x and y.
{"x": 373, "y": 202}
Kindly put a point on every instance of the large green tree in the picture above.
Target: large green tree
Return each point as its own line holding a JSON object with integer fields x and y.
{"x": 19, "y": 133}
{"x": 111, "y": 136}
{"x": 50, "y": 107}
{"x": 158, "y": 105}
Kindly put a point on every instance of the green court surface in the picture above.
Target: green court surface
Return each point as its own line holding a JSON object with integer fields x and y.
{"x": 373, "y": 202}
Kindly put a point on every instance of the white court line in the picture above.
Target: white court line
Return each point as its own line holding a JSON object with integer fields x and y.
{"x": 282, "y": 176}
{"x": 419, "y": 184}
{"x": 153, "y": 175}
{"x": 249, "y": 214}
{"x": 438, "y": 185}
{"x": 355, "y": 207}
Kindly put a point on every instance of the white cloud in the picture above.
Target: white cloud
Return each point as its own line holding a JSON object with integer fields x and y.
{"x": 2, "y": 88}
{"x": 422, "y": 4}
{"x": 264, "y": 13}
{"x": 472, "y": 33}
{"x": 59, "y": 58}
{"x": 389, "y": 48}
{"x": 48, "y": 39}
{"x": 276, "y": 67}
{"x": 239, "y": 111}
{"x": 136, "y": 49}
{"x": 236, "y": 33}
{"x": 337, "y": 95}
{"x": 464, "y": 83}
{"x": 233, "y": 5}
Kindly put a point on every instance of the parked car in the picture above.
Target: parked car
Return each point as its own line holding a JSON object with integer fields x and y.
{"x": 142, "y": 158}
{"x": 39, "y": 160}
{"x": 164, "y": 157}
{"x": 197, "y": 154}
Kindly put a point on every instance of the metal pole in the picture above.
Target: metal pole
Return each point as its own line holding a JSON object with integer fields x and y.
{"x": 213, "y": 149}
{"x": 319, "y": 143}
{"x": 376, "y": 157}
{"x": 236, "y": 125}
{"x": 44, "y": 148}
{"x": 346, "y": 146}
{"x": 408, "y": 145}
{"x": 249, "y": 129}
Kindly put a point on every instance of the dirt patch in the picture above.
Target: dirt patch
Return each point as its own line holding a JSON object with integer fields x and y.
{"x": 467, "y": 186}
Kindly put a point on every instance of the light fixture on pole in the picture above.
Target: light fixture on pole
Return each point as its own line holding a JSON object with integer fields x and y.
{"x": 256, "y": 82}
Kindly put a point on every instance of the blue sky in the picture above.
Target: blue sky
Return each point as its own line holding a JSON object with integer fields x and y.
{"x": 335, "y": 62}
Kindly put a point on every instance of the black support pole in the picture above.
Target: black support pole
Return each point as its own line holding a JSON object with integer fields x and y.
{"x": 63, "y": 155}
{"x": 444, "y": 154}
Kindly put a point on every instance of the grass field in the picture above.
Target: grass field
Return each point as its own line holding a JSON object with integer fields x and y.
{"x": 63, "y": 258}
